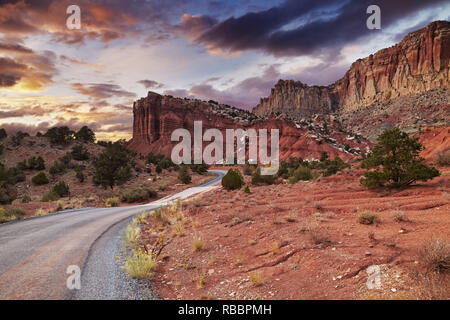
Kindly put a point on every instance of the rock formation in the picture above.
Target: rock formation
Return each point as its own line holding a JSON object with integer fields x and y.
{"x": 420, "y": 62}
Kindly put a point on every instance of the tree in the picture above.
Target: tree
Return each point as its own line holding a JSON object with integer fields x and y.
{"x": 113, "y": 165}
{"x": 395, "y": 161}
{"x": 3, "y": 134}
{"x": 85, "y": 134}
{"x": 184, "y": 175}
{"x": 61, "y": 189}
{"x": 60, "y": 135}
{"x": 232, "y": 180}
{"x": 80, "y": 153}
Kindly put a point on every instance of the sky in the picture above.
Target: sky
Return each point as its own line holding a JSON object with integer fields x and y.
{"x": 229, "y": 51}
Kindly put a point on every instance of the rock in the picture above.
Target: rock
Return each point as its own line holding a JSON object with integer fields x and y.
{"x": 368, "y": 253}
{"x": 420, "y": 62}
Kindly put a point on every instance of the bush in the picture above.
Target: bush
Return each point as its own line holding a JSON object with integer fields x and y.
{"x": 158, "y": 169}
{"x": 57, "y": 168}
{"x": 443, "y": 158}
{"x": 11, "y": 213}
{"x": 138, "y": 194}
{"x": 247, "y": 189}
{"x": 435, "y": 254}
{"x": 85, "y": 134}
{"x": 140, "y": 264}
{"x": 367, "y": 217}
{"x": 60, "y": 135}
{"x": 302, "y": 173}
{"x": 1, "y": 149}
{"x": 40, "y": 179}
{"x": 80, "y": 153}
{"x": 183, "y": 175}
{"x": 33, "y": 164}
{"x": 248, "y": 170}
{"x": 3, "y": 134}
{"x": 113, "y": 165}
{"x": 257, "y": 177}
{"x": 396, "y": 162}
{"x": 113, "y": 201}
{"x": 232, "y": 180}
{"x": 26, "y": 199}
{"x": 50, "y": 196}
{"x": 7, "y": 195}
{"x": 61, "y": 189}
{"x": 79, "y": 174}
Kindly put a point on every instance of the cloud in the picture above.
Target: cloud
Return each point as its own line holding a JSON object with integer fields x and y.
{"x": 150, "y": 84}
{"x": 303, "y": 27}
{"x": 193, "y": 26}
{"x": 102, "y": 90}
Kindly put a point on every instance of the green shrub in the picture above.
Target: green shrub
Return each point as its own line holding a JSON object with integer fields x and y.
{"x": 40, "y": 179}
{"x": 247, "y": 170}
{"x": 1, "y": 149}
{"x": 138, "y": 194}
{"x": 232, "y": 180}
{"x": 79, "y": 174}
{"x": 33, "y": 164}
{"x": 302, "y": 173}
{"x": 396, "y": 161}
{"x": 3, "y": 134}
{"x": 60, "y": 135}
{"x": 61, "y": 189}
{"x": 257, "y": 177}
{"x": 183, "y": 175}
{"x": 85, "y": 134}
{"x": 57, "y": 168}
{"x": 367, "y": 217}
{"x": 158, "y": 169}
{"x": 80, "y": 153}
{"x": 247, "y": 189}
{"x": 26, "y": 199}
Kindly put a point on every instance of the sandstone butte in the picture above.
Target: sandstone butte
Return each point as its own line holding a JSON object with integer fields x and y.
{"x": 417, "y": 65}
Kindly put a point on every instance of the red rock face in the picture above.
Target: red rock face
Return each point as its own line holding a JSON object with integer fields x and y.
{"x": 156, "y": 117}
{"x": 417, "y": 64}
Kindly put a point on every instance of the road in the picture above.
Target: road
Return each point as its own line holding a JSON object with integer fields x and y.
{"x": 35, "y": 253}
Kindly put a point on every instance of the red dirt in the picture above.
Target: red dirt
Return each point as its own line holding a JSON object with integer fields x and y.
{"x": 271, "y": 231}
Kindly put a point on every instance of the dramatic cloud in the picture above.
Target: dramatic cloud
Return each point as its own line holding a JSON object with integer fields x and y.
{"x": 102, "y": 90}
{"x": 151, "y": 84}
{"x": 304, "y": 27}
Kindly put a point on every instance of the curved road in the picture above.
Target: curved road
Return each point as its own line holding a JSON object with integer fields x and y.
{"x": 35, "y": 253}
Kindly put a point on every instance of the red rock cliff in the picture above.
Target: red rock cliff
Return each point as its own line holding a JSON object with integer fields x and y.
{"x": 417, "y": 64}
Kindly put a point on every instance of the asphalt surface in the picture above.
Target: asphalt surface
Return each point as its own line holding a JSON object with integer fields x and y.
{"x": 35, "y": 253}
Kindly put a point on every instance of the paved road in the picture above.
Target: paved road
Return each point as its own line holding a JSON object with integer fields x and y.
{"x": 35, "y": 253}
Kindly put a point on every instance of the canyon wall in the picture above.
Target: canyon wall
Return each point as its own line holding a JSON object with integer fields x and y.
{"x": 420, "y": 62}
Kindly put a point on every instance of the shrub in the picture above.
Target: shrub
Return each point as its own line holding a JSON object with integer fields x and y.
{"x": 1, "y": 149}
{"x": 396, "y": 162}
{"x": 257, "y": 177}
{"x": 60, "y": 135}
{"x": 33, "y": 164}
{"x": 85, "y": 134}
{"x": 79, "y": 174}
{"x": 57, "y": 167}
{"x": 256, "y": 278}
{"x": 367, "y": 217}
{"x": 11, "y": 213}
{"x": 50, "y": 196}
{"x": 7, "y": 195}
{"x": 140, "y": 264}
{"x": 442, "y": 158}
{"x": 197, "y": 244}
{"x": 61, "y": 189}
{"x": 158, "y": 169}
{"x": 138, "y": 194}
{"x": 113, "y": 165}
{"x": 435, "y": 254}
{"x": 183, "y": 175}
{"x": 301, "y": 173}
{"x": 40, "y": 179}
{"x": 26, "y": 199}
{"x": 80, "y": 153}
{"x": 232, "y": 180}
{"x": 3, "y": 134}
{"x": 113, "y": 201}
{"x": 247, "y": 189}
{"x": 399, "y": 216}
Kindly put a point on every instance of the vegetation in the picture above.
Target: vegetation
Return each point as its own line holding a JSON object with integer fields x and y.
{"x": 3, "y": 134}
{"x": 40, "y": 179}
{"x": 367, "y": 217}
{"x": 80, "y": 153}
{"x": 32, "y": 164}
{"x": 257, "y": 177}
{"x": 85, "y": 135}
{"x": 395, "y": 161}
{"x": 232, "y": 180}
{"x": 138, "y": 194}
{"x": 60, "y": 135}
{"x": 79, "y": 174}
{"x": 113, "y": 165}
{"x": 184, "y": 176}
{"x": 10, "y": 213}
{"x": 302, "y": 173}
{"x": 113, "y": 201}
{"x": 140, "y": 264}
{"x": 435, "y": 254}
{"x": 441, "y": 158}
{"x": 61, "y": 189}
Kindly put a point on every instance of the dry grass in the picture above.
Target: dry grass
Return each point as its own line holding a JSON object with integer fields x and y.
{"x": 319, "y": 236}
{"x": 256, "y": 278}
{"x": 435, "y": 254}
{"x": 197, "y": 244}
{"x": 367, "y": 217}
{"x": 140, "y": 264}
{"x": 442, "y": 158}
{"x": 399, "y": 216}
